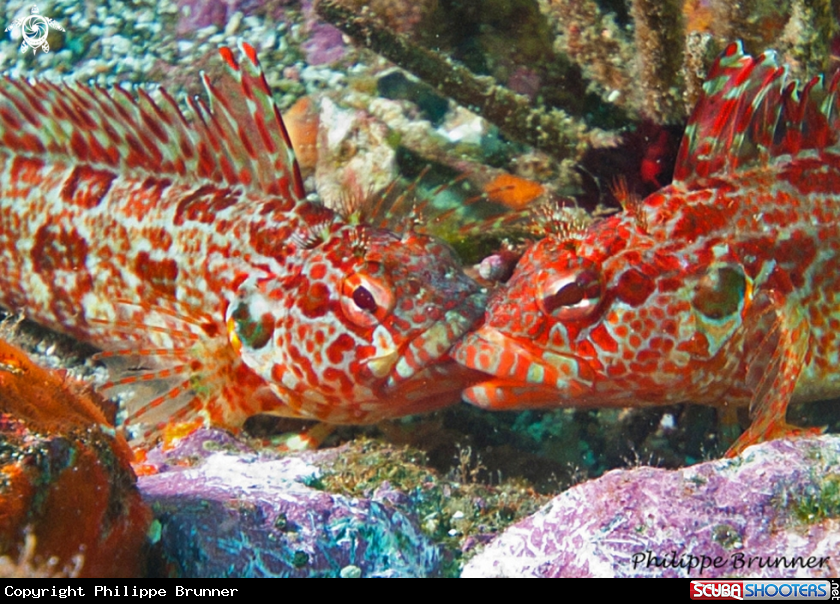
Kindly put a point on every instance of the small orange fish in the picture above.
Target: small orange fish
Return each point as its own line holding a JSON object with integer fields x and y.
{"x": 513, "y": 191}
{"x": 722, "y": 288}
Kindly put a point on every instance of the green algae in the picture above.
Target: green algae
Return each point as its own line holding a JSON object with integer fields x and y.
{"x": 455, "y": 510}
{"x": 818, "y": 501}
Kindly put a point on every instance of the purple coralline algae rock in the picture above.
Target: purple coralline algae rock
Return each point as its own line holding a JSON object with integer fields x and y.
{"x": 235, "y": 513}
{"x": 772, "y": 512}
{"x": 325, "y": 43}
{"x": 195, "y": 14}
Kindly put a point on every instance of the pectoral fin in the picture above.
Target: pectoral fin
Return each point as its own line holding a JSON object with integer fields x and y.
{"x": 776, "y": 347}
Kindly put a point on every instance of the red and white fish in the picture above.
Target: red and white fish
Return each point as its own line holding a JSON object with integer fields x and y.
{"x": 188, "y": 252}
{"x": 722, "y": 288}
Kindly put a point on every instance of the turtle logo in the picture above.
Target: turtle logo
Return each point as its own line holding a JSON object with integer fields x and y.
{"x": 34, "y": 30}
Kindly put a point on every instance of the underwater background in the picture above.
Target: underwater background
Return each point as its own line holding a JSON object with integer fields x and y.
{"x": 480, "y": 111}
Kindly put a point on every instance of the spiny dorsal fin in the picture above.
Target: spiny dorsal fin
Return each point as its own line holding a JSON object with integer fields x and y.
{"x": 243, "y": 143}
{"x": 246, "y": 113}
{"x": 751, "y": 112}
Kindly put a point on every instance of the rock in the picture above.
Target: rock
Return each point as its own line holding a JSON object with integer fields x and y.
{"x": 195, "y": 14}
{"x": 68, "y": 501}
{"x": 773, "y": 512}
{"x": 226, "y": 511}
{"x": 355, "y": 158}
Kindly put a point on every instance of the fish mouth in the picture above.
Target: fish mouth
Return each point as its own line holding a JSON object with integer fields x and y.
{"x": 427, "y": 355}
{"x": 524, "y": 376}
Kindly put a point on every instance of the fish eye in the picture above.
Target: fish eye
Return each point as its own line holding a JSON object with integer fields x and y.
{"x": 720, "y": 292}
{"x": 572, "y": 293}
{"x": 366, "y": 300}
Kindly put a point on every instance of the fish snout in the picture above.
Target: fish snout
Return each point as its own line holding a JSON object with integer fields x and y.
{"x": 523, "y": 376}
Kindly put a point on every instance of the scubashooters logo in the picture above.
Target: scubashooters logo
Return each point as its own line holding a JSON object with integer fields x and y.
{"x": 34, "y": 29}
{"x": 762, "y": 590}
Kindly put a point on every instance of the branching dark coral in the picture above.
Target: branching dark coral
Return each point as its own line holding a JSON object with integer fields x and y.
{"x": 646, "y": 63}
{"x": 659, "y": 33}
{"x": 599, "y": 46}
{"x": 552, "y": 131}
{"x": 674, "y": 42}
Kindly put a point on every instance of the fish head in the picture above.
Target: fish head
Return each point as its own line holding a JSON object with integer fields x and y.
{"x": 614, "y": 318}
{"x": 363, "y": 329}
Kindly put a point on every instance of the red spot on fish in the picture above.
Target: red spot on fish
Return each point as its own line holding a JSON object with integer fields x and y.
{"x": 342, "y": 344}
{"x": 227, "y": 55}
{"x": 27, "y": 170}
{"x": 345, "y": 385}
{"x": 314, "y": 302}
{"x": 634, "y": 287}
{"x": 797, "y": 254}
{"x": 698, "y": 346}
{"x": 9, "y": 119}
{"x": 603, "y": 339}
{"x": 153, "y": 125}
{"x": 318, "y": 271}
{"x": 79, "y": 146}
{"x": 227, "y": 170}
{"x": 205, "y": 204}
{"x": 160, "y": 238}
{"x": 160, "y": 274}
{"x": 250, "y": 52}
{"x": 140, "y": 201}
{"x": 101, "y": 155}
{"x": 704, "y": 220}
{"x": 206, "y": 161}
{"x": 616, "y": 369}
{"x": 58, "y": 248}
{"x": 86, "y": 187}
{"x": 780, "y": 281}
{"x": 266, "y": 137}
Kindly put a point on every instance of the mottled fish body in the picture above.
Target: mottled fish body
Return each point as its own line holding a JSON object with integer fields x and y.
{"x": 188, "y": 252}
{"x": 722, "y": 288}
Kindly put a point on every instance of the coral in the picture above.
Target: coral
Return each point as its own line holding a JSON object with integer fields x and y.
{"x": 597, "y": 44}
{"x": 26, "y": 567}
{"x": 324, "y": 42}
{"x": 458, "y": 510}
{"x": 645, "y": 63}
{"x": 674, "y": 42}
{"x": 553, "y": 131}
{"x": 658, "y": 37}
{"x": 365, "y": 507}
{"x": 68, "y": 502}
{"x": 354, "y": 157}
{"x": 399, "y": 16}
{"x": 196, "y": 14}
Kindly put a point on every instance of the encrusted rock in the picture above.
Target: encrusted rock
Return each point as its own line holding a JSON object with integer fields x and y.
{"x": 234, "y": 513}
{"x": 68, "y": 500}
{"x": 773, "y": 512}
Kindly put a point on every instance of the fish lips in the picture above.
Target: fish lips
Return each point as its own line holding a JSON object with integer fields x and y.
{"x": 525, "y": 376}
{"x": 428, "y": 355}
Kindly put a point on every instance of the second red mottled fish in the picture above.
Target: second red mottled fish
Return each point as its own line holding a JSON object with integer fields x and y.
{"x": 722, "y": 288}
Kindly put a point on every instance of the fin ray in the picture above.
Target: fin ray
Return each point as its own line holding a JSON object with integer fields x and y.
{"x": 751, "y": 113}
{"x": 243, "y": 143}
{"x": 171, "y": 381}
